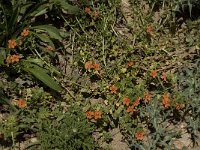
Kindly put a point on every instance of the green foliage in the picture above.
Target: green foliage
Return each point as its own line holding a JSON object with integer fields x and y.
{"x": 189, "y": 85}
{"x": 42, "y": 74}
{"x": 69, "y": 130}
{"x": 188, "y": 5}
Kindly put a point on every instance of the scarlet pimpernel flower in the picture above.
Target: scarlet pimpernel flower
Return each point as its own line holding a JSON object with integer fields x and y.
{"x": 147, "y": 97}
{"x": 137, "y": 102}
{"x": 164, "y": 76}
{"x": 130, "y": 64}
{"x": 25, "y": 32}
{"x": 126, "y": 101}
{"x": 149, "y": 30}
{"x": 139, "y": 135}
{"x": 88, "y": 65}
{"x": 166, "y": 100}
{"x": 113, "y": 89}
{"x": 89, "y": 114}
{"x": 130, "y": 109}
{"x": 87, "y": 10}
{"x": 12, "y": 43}
{"x": 95, "y": 14}
{"x": 21, "y": 103}
{"x": 97, "y": 115}
{"x": 179, "y": 106}
{"x": 12, "y": 59}
{"x": 153, "y": 73}
{"x": 96, "y": 67}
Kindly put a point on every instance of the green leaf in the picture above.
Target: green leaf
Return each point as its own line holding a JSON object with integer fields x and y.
{"x": 42, "y": 75}
{"x": 2, "y": 56}
{"x": 66, "y": 7}
{"x": 51, "y": 30}
{"x": 44, "y": 38}
{"x": 43, "y": 9}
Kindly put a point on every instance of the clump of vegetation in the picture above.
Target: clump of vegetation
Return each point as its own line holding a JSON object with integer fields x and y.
{"x": 69, "y": 130}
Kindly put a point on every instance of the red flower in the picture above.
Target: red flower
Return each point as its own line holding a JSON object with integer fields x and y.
{"x": 147, "y": 97}
{"x": 130, "y": 63}
{"x": 126, "y": 101}
{"x": 96, "y": 67}
{"x": 137, "y": 102}
{"x": 97, "y": 115}
{"x": 139, "y": 135}
{"x": 25, "y": 32}
{"x": 113, "y": 89}
{"x": 130, "y": 109}
{"x": 12, "y": 43}
{"x": 12, "y": 59}
{"x": 87, "y": 10}
{"x": 179, "y": 106}
{"x": 88, "y": 65}
{"x": 149, "y": 30}
{"x": 95, "y": 14}
{"x": 89, "y": 114}
{"x": 21, "y": 103}
{"x": 164, "y": 76}
{"x": 153, "y": 73}
{"x": 166, "y": 100}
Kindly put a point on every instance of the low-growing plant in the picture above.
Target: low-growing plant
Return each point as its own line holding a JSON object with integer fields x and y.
{"x": 70, "y": 130}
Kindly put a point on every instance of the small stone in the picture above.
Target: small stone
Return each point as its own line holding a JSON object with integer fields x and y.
{"x": 33, "y": 140}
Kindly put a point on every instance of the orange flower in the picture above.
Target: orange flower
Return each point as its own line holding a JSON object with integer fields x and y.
{"x": 137, "y": 102}
{"x": 87, "y": 10}
{"x": 153, "y": 73}
{"x": 139, "y": 135}
{"x": 21, "y": 103}
{"x": 12, "y": 59}
{"x": 89, "y": 114}
{"x": 8, "y": 60}
{"x": 12, "y": 43}
{"x": 15, "y": 58}
{"x": 149, "y": 30}
{"x": 113, "y": 89}
{"x": 96, "y": 67}
{"x": 25, "y": 32}
{"x": 166, "y": 100}
{"x": 97, "y": 115}
{"x": 95, "y": 14}
{"x": 130, "y": 109}
{"x": 164, "y": 76}
{"x": 126, "y": 101}
{"x": 147, "y": 97}
{"x": 179, "y": 106}
{"x": 130, "y": 63}
{"x": 88, "y": 65}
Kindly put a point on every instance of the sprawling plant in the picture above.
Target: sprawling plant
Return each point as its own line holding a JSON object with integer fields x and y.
{"x": 24, "y": 39}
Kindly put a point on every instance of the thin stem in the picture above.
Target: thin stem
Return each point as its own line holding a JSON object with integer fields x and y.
{"x": 81, "y": 27}
{"x": 103, "y": 48}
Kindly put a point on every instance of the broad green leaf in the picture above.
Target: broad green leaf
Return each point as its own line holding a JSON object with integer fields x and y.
{"x": 66, "y": 7}
{"x": 43, "y": 9}
{"x": 42, "y": 75}
{"x": 34, "y": 10}
{"x": 44, "y": 38}
{"x": 36, "y": 61}
{"x": 51, "y": 30}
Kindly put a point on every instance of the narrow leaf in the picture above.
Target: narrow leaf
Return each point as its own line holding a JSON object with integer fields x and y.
{"x": 42, "y": 75}
{"x": 52, "y": 31}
